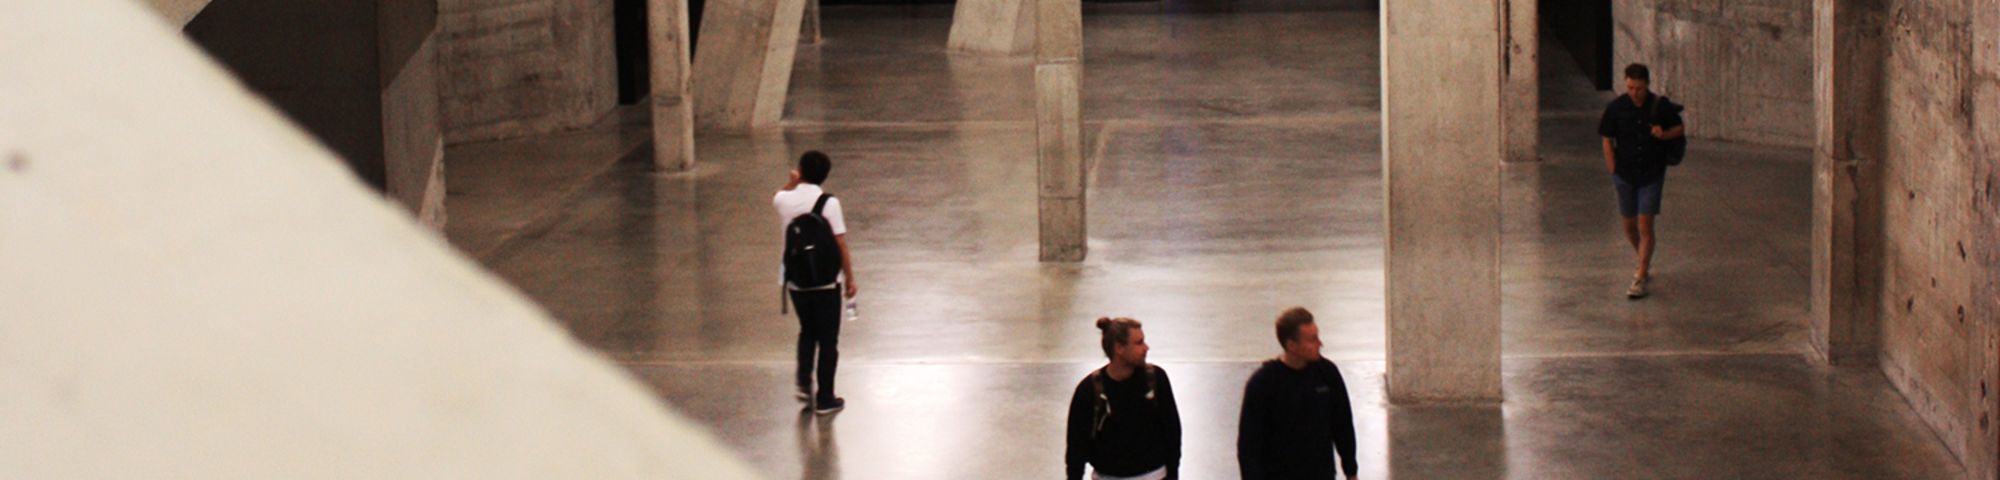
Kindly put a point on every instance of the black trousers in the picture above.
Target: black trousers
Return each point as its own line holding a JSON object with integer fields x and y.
{"x": 819, "y": 332}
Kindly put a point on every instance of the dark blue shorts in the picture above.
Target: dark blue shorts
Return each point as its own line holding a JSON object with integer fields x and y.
{"x": 1636, "y": 200}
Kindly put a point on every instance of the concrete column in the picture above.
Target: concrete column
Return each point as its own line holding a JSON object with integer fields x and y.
{"x": 1848, "y": 56}
{"x": 1521, "y": 101}
{"x": 1985, "y": 245}
{"x": 412, "y": 131}
{"x": 1442, "y": 76}
{"x": 1002, "y": 27}
{"x": 809, "y": 25}
{"x": 745, "y": 63}
{"x": 178, "y": 12}
{"x": 673, "y": 115}
{"x": 1059, "y": 128}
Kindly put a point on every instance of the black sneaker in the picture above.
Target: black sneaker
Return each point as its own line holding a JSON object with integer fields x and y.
{"x": 804, "y": 394}
{"x": 828, "y": 407}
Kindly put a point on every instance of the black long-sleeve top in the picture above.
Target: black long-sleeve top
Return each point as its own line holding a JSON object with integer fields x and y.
{"x": 1293, "y": 421}
{"x": 1139, "y": 435}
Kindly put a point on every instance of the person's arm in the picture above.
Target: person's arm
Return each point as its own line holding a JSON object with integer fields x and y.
{"x": 1610, "y": 156}
{"x": 847, "y": 265}
{"x": 1667, "y": 124}
{"x": 1343, "y": 423}
{"x": 1670, "y": 133}
{"x": 1078, "y": 439}
{"x": 1250, "y": 431}
{"x": 1607, "y": 127}
{"x": 1170, "y": 418}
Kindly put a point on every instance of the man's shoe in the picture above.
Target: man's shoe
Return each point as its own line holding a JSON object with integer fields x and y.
{"x": 804, "y": 394}
{"x": 1637, "y": 291}
{"x": 828, "y": 407}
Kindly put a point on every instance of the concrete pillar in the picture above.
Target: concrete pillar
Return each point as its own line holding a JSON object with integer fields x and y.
{"x": 1442, "y": 76}
{"x": 412, "y": 130}
{"x": 1002, "y": 27}
{"x": 1521, "y": 99}
{"x": 809, "y": 25}
{"x": 1848, "y": 57}
{"x": 178, "y": 12}
{"x": 1059, "y": 128}
{"x": 673, "y": 115}
{"x": 1985, "y": 244}
{"x": 361, "y": 76}
{"x": 745, "y": 63}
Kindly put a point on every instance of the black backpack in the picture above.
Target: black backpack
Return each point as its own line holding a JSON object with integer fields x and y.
{"x": 1676, "y": 149}
{"x": 1102, "y": 409}
{"x": 812, "y": 255}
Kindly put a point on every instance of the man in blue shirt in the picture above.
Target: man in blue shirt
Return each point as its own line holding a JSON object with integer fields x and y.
{"x": 1636, "y": 127}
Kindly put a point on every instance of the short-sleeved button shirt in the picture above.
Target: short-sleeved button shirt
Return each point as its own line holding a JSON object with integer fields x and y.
{"x": 1640, "y": 159}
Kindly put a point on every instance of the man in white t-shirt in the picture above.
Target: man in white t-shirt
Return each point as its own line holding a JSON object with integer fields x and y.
{"x": 818, "y": 307}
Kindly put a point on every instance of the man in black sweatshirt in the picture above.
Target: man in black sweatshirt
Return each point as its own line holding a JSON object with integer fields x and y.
{"x": 1122, "y": 419}
{"x": 1295, "y": 411}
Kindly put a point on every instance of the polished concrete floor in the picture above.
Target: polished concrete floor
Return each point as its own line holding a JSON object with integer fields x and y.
{"x": 1235, "y": 170}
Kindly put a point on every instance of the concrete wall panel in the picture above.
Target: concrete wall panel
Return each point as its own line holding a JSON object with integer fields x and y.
{"x": 1935, "y": 348}
{"x": 1743, "y": 67}
{"x": 524, "y": 67}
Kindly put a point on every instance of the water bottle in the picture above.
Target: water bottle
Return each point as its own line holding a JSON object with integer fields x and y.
{"x": 852, "y": 313}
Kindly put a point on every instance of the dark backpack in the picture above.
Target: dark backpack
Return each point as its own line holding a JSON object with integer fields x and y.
{"x": 1674, "y": 150}
{"x": 1102, "y": 409}
{"x": 812, "y": 254}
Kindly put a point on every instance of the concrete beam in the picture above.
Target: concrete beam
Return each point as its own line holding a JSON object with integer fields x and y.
{"x": 997, "y": 27}
{"x": 744, "y": 67}
{"x": 1059, "y": 129}
{"x": 220, "y": 299}
{"x": 1442, "y": 78}
{"x": 1521, "y": 101}
{"x": 673, "y": 113}
{"x": 1848, "y": 59}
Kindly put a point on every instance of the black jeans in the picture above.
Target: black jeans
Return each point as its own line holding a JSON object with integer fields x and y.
{"x": 819, "y": 329}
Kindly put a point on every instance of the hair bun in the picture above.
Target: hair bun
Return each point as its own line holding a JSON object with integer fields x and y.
{"x": 1103, "y": 323}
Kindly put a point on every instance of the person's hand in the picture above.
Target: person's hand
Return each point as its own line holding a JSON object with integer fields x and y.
{"x": 794, "y": 182}
{"x": 1659, "y": 133}
{"x": 852, "y": 289}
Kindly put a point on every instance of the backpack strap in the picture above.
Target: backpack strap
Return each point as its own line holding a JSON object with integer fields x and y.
{"x": 1101, "y": 405}
{"x": 821, "y": 204}
{"x": 1150, "y": 382}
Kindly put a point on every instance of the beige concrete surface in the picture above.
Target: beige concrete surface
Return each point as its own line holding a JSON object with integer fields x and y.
{"x": 214, "y": 296}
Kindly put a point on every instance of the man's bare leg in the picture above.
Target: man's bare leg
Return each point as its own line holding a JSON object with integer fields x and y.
{"x": 1632, "y": 232}
{"x": 1644, "y": 242}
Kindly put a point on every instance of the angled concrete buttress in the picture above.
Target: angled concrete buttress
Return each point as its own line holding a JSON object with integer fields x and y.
{"x": 1003, "y": 27}
{"x": 673, "y": 115}
{"x": 1059, "y": 129}
{"x": 195, "y": 288}
{"x": 745, "y": 64}
{"x": 1441, "y": 126}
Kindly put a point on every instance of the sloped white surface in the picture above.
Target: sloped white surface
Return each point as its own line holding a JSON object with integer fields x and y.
{"x": 190, "y": 287}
